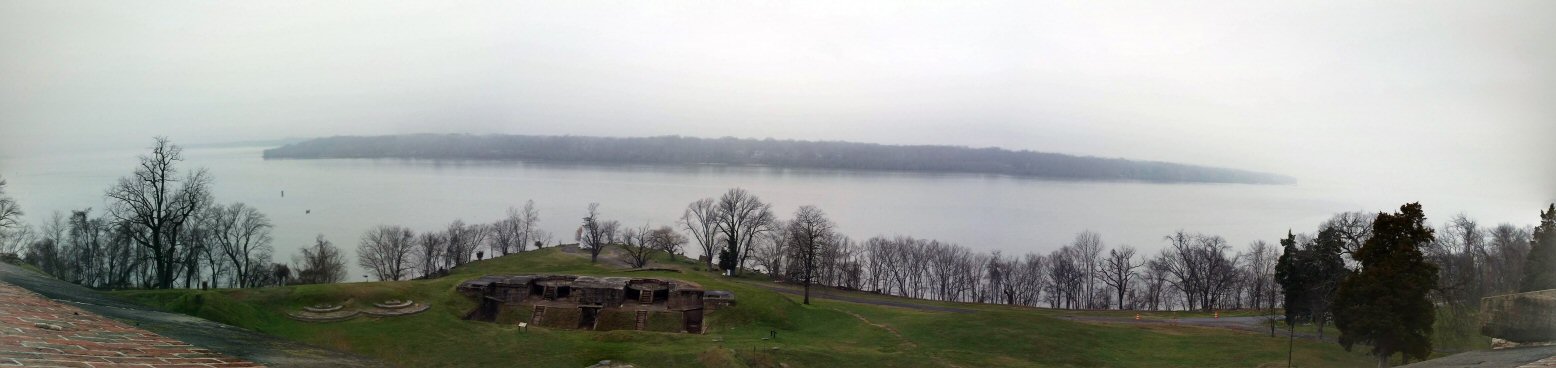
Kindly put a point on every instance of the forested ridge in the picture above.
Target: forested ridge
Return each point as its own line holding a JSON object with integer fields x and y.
{"x": 763, "y": 152}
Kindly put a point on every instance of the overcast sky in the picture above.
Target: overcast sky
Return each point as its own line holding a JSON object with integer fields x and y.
{"x": 1461, "y": 93}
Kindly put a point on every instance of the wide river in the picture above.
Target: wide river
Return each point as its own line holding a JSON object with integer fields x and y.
{"x": 342, "y": 198}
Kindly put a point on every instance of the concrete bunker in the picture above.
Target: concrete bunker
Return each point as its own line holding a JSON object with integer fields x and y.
{"x": 588, "y": 302}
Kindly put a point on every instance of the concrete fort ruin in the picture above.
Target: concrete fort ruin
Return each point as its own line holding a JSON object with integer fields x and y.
{"x": 588, "y": 303}
{"x": 1522, "y": 318}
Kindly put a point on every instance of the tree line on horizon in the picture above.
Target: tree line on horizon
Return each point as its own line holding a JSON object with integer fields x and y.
{"x": 763, "y": 152}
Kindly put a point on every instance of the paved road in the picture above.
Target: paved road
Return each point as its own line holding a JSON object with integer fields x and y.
{"x": 1535, "y": 356}
{"x": 261, "y": 348}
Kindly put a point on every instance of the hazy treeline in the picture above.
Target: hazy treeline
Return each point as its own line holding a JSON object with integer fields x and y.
{"x": 764, "y": 152}
{"x": 1197, "y": 271}
{"x": 392, "y": 252}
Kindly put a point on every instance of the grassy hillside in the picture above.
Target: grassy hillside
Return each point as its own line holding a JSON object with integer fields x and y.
{"x": 825, "y": 334}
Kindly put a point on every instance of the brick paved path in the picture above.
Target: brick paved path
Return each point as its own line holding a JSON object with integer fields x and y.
{"x": 38, "y": 332}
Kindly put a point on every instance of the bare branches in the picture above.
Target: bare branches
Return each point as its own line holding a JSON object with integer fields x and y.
{"x": 636, "y": 244}
{"x": 810, "y": 232}
{"x": 148, "y": 201}
{"x": 10, "y": 213}
{"x": 595, "y": 234}
{"x": 387, "y": 252}
{"x": 242, "y": 235}
{"x": 741, "y": 217}
{"x": 1117, "y": 270}
{"x": 701, "y": 220}
{"x": 513, "y": 233}
{"x": 321, "y": 263}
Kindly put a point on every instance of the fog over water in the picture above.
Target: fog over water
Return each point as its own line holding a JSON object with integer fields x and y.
{"x": 1015, "y": 215}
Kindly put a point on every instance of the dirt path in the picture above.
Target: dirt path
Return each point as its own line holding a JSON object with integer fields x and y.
{"x": 899, "y": 336}
{"x": 822, "y": 293}
{"x": 220, "y": 338}
{"x": 1246, "y": 323}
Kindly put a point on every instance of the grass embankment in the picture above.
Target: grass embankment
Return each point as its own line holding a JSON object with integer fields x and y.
{"x": 825, "y": 334}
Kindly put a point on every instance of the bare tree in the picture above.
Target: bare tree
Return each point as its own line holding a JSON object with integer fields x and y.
{"x": 15, "y": 241}
{"x": 701, "y": 220}
{"x": 321, "y": 263}
{"x": 1117, "y": 270}
{"x": 1199, "y": 267}
{"x": 741, "y": 218}
{"x": 430, "y": 249}
{"x": 1509, "y": 245}
{"x": 772, "y": 250}
{"x": 1355, "y": 227}
{"x": 157, "y": 203}
{"x": 635, "y": 241}
{"x": 1155, "y": 281}
{"x": 595, "y": 234}
{"x": 513, "y": 233}
{"x": 463, "y": 241}
{"x": 1088, "y": 247}
{"x": 505, "y": 235}
{"x": 388, "y": 252}
{"x": 809, "y": 233}
{"x": 666, "y": 239}
{"x": 84, "y": 248}
{"x": 10, "y": 216}
{"x": 1261, "y": 267}
{"x": 242, "y": 234}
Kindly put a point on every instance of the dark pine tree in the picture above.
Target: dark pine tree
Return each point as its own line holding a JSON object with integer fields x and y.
{"x": 1291, "y": 279}
{"x": 1385, "y": 304}
{"x": 1540, "y": 266}
{"x": 1324, "y": 270}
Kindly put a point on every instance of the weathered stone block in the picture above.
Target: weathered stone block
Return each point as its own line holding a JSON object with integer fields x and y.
{"x": 1523, "y": 317}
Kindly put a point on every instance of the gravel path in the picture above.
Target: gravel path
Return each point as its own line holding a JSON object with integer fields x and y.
{"x": 220, "y": 338}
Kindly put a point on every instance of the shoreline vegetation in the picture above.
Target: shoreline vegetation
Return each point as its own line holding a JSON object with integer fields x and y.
{"x": 678, "y": 150}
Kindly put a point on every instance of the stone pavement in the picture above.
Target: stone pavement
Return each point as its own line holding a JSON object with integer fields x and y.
{"x": 38, "y": 332}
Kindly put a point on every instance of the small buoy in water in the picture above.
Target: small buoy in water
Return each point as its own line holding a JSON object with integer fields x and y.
{"x": 283, "y": 194}
{"x": 307, "y": 212}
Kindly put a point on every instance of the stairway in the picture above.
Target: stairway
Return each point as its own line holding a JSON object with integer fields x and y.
{"x": 549, "y": 294}
{"x": 642, "y": 320}
{"x": 534, "y": 319}
{"x": 646, "y": 297}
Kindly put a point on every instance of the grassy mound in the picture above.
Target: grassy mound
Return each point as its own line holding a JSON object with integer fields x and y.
{"x": 824, "y": 334}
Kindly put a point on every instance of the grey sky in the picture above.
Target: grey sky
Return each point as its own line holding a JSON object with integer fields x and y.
{"x": 1458, "y": 94}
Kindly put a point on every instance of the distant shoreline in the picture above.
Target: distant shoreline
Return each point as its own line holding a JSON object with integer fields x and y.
{"x": 768, "y": 153}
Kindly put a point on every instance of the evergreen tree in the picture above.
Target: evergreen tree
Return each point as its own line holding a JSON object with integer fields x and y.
{"x": 1385, "y": 304}
{"x": 1290, "y": 278}
{"x": 1324, "y": 271}
{"x": 1540, "y": 266}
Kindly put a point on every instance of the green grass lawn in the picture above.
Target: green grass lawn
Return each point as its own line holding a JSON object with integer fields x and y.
{"x": 824, "y": 334}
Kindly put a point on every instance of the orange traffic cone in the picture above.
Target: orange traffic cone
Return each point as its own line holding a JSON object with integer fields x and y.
{"x": 1137, "y": 316}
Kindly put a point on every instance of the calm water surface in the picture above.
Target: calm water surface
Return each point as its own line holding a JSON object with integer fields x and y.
{"x": 1016, "y": 215}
